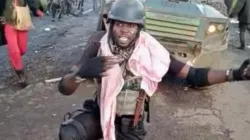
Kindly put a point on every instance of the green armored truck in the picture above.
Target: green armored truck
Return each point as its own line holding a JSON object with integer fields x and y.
{"x": 192, "y": 32}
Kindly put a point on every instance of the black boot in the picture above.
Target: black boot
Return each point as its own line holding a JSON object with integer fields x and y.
{"x": 22, "y": 78}
{"x": 242, "y": 47}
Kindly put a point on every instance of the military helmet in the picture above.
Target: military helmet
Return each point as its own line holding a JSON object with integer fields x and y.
{"x": 131, "y": 11}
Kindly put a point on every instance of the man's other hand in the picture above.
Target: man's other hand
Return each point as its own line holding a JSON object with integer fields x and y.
{"x": 243, "y": 73}
{"x": 97, "y": 67}
{"x": 246, "y": 69}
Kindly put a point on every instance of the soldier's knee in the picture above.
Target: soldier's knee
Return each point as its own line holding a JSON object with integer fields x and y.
{"x": 69, "y": 132}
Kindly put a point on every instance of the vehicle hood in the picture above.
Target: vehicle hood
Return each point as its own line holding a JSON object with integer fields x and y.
{"x": 184, "y": 9}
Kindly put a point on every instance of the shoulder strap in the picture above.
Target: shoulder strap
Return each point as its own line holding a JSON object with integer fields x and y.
{"x": 78, "y": 126}
{"x": 139, "y": 106}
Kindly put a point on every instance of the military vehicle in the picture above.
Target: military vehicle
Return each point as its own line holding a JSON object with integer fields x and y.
{"x": 194, "y": 33}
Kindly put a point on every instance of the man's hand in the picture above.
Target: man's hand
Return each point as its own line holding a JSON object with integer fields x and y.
{"x": 39, "y": 13}
{"x": 246, "y": 72}
{"x": 96, "y": 67}
{"x": 243, "y": 73}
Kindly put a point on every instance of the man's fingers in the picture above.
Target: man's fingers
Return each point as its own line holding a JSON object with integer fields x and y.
{"x": 107, "y": 67}
{"x": 245, "y": 63}
{"x": 246, "y": 71}
{"x": 106, "y": 58}
{"x": 110, "y": 64}
{"x": 112, "y": 58}
{"x": 104, "y": 74}
{"x": 112, "y": 61}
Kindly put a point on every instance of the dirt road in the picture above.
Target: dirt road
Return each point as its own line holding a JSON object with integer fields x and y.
{"x": 35, "y": 113}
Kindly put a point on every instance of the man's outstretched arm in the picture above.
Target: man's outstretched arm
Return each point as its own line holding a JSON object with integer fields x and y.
{"x": 68, "y": 84}
{"x": 201, "y": 77}
{"x": 89, "y": 66}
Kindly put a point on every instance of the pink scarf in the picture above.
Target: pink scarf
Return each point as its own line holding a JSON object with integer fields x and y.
{"x": 150, "y": 60}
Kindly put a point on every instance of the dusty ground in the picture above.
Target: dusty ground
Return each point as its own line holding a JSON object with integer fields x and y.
{"x": 220, "y": 113}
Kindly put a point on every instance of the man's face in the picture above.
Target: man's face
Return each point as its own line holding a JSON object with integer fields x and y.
{"x": 124, "y": 33}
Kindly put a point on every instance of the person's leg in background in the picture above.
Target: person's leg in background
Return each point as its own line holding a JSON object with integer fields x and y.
{"x": 54, "y": 7}
{"x": 243, "y": 29}
{"x": 48, "y": 9}
{"x": 14, "y": 52}
{"x": 22, "y": 41}
{"x": 68, "y": 7}
{"x": 81, "y": 6}
{"x": 60, "y": 10}
{"x": 94, "y": 4}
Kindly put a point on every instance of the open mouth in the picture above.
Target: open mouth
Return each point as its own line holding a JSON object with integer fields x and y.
{"x": 123, "y": 40}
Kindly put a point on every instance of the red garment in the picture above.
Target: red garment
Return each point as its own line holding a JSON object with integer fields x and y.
{"x": 16, "y": 44}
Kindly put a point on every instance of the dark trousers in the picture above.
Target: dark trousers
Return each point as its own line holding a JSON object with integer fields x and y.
{"x": 243, "y": 28}
{"x": 91, "y": 127}
{"x": 80, "y": 6}
{"x": 54, "y": 9}
{"x": 68, "y": 7}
